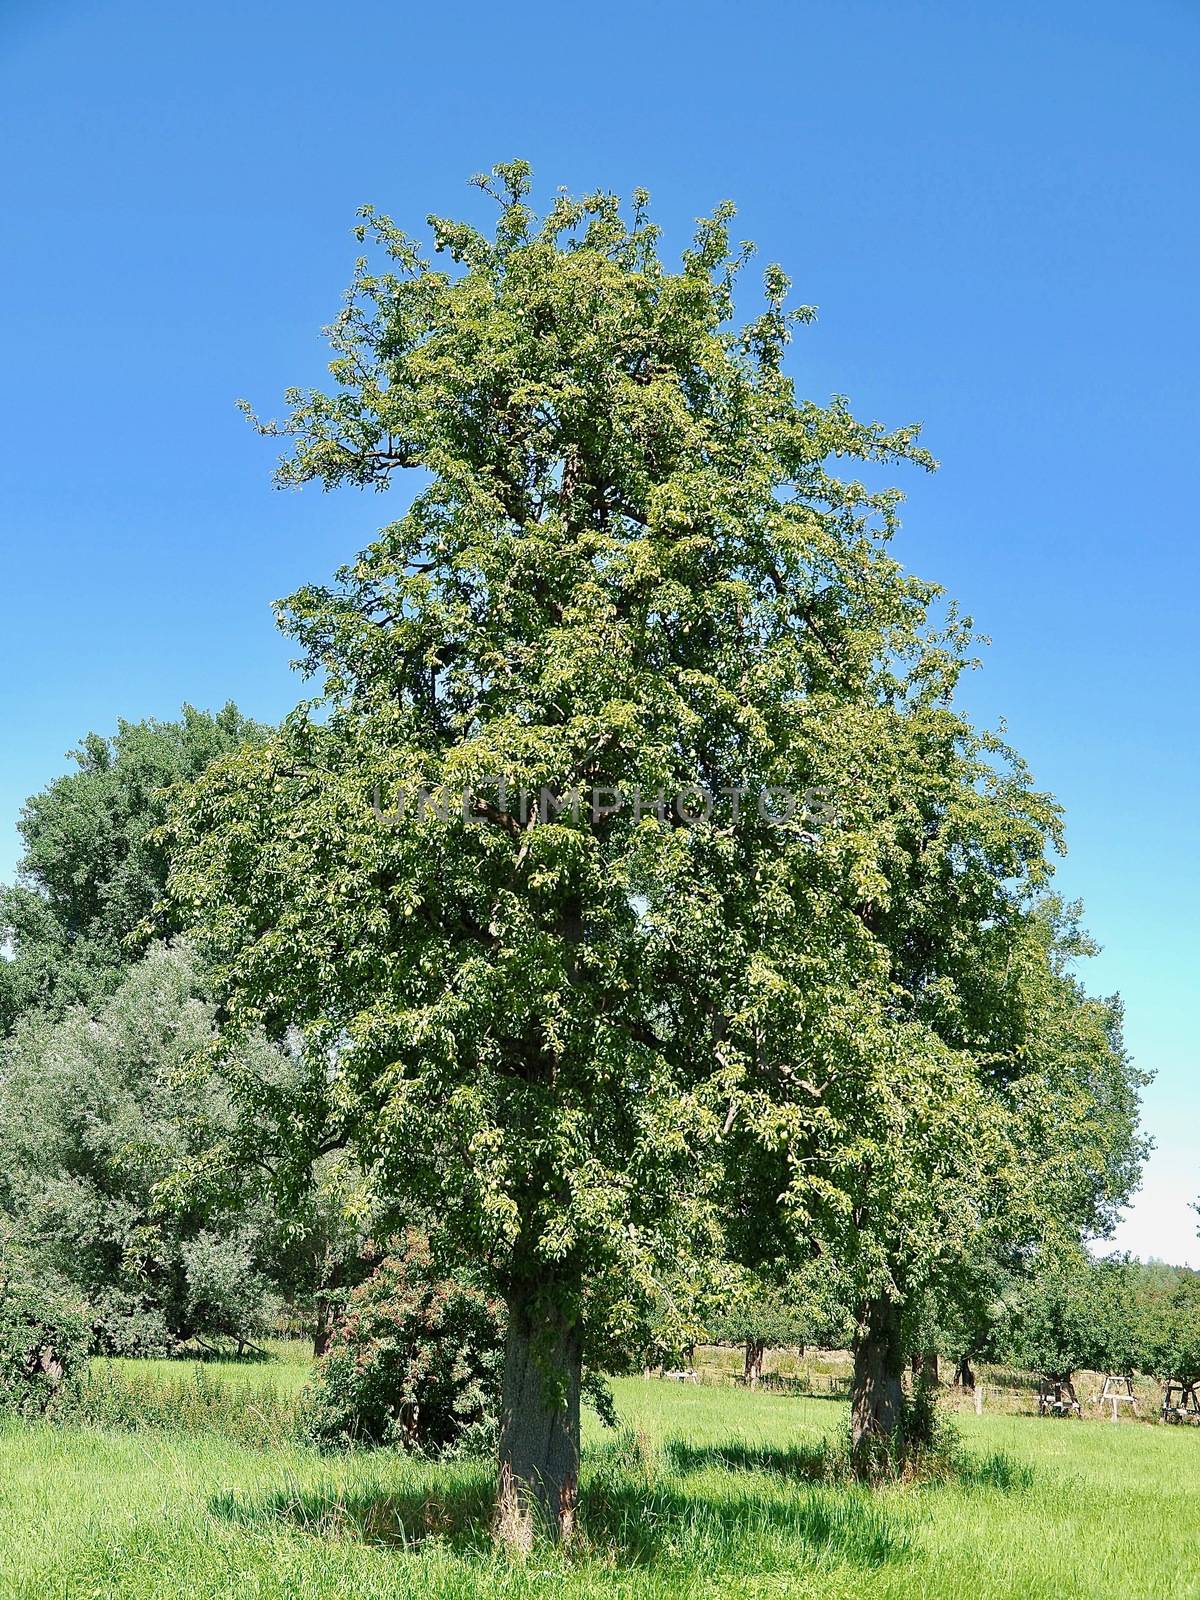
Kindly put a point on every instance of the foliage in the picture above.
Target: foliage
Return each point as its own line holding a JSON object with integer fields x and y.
{"x": 43, "y": 1340}
{"x": 798, "y": 1308}
{"x": 1170, "y": 1328}
{"x": 88, "y": 899}
{"x": 415, "y": 1360}
{"x": 227, "y": 1286}
{"x": 1113, "y": 1315}
{"x": 1120, "y": 1316}
{"x": 631, "y": 567}
{"x": 324, "y": 1208}
{"x": 1062, "y": 1324}
{"x": 970, "y": 1316}
{"x": 99, "y": 1115}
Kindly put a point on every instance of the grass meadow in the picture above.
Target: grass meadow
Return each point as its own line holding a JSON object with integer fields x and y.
{"x": 706, "y": 1491}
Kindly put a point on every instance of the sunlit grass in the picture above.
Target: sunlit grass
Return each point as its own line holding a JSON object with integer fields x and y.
{"x": 705, "y": 1492}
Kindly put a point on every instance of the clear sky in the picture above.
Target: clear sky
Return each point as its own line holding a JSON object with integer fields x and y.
{"x": 994, "y": 207}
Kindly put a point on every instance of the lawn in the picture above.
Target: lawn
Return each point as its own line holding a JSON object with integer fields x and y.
{"x": 705, "y": 1493}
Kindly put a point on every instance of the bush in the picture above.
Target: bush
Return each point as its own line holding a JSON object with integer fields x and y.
{"x": 126, "y": 1325}
{"x": 44, "y": 1338}
{"x": 416, "y": 1361}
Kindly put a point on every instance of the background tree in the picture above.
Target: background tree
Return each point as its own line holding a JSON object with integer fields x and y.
{"x": 88, "y": 899}
{"x": 1062, "y": 1322}
{"x": 973, "y": 1311}
{"x": 1067, "y": 1096}
{"x": 1170, "y": 1328}
{"x": 326, "y": 1221}
{"x": 1121, "y": 1309}
{"x": 283, "y": 1128}
{"x": 1047, "y": 1100}
{"x": 796, "y": 1309}
{"x": 100, "y": 1114}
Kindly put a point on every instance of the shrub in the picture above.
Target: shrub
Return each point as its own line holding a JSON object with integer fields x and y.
{"x": 44, "y": 1337}
{"x": 415, "y": 1361}
{"x": 127, "y": 1325}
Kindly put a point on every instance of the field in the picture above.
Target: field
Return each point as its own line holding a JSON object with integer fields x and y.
{"x": 707, "y": 1491}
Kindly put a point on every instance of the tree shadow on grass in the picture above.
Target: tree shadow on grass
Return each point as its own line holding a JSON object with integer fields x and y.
{"x": 457, "y": 1514}
{"x": 810, "y": 1463}
{"x": 823, "y": 1463}
{"x": 657, "y": 1524}
{"x": 625, "y": 1519}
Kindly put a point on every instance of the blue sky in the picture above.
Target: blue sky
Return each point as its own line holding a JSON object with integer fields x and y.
{"x": 994, "y": 207}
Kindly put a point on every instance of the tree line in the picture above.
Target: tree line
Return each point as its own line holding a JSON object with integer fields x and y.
{"x": 607, "y": 1058}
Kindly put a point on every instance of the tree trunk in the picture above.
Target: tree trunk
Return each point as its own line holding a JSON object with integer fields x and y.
{"x": 925, "y": 1366}
{"x": 963, "y": 1374}
{"x": 876, "y": 1390}
{"x": 323, "y": 1330}
{"x": 539, "y": 1421}
{"x": 754, "y": 1362}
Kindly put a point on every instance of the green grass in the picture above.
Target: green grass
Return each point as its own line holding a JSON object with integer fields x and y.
{"x": 245, "y": 1402}
{"x": 709, "y": 1491}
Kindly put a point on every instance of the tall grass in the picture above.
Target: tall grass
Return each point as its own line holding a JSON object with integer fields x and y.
{"x": 195, "y": 1397}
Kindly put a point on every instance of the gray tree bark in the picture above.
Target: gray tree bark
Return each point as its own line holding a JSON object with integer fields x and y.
{"x": 876, "y": 1389}
{"x": 925, "y": 1365}
{"x": 539, "y": 1422}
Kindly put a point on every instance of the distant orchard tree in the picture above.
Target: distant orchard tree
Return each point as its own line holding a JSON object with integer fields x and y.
{"x": 1067, "y": 1319}
{"x": 797, "y": 1308}
{"x": 1170, "y": 1329}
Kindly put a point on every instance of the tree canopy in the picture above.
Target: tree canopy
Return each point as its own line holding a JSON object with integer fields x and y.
{"x": 89, "y": 896}
{"x": 636, "y": 854}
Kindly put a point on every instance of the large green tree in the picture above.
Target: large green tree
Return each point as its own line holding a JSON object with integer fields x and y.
{"x": 88, "y": 899}
{"x": 628, "y": 565}
{"x": 632, "y": 566}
